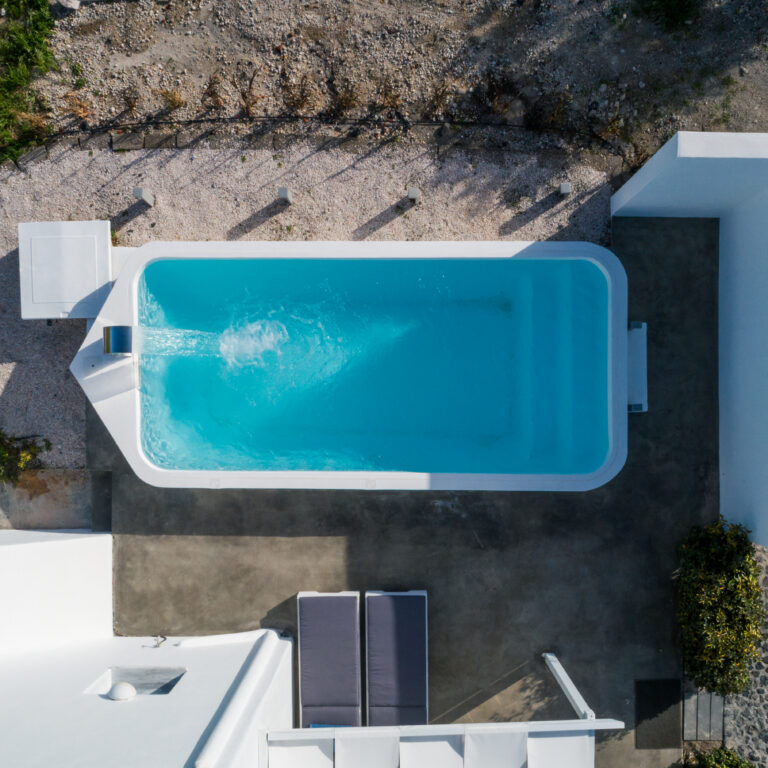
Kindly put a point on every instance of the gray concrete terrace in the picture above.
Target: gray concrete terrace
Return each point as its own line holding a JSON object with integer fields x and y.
{"x": 509, "y": 575}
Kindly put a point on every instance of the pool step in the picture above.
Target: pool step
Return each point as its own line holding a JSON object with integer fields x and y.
{"x": 637, "y": 368}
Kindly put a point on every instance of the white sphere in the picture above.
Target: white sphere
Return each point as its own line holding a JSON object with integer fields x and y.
{"x": 121, "y": 691}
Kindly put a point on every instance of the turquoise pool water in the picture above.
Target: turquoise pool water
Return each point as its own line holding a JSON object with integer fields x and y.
{"x": 415, "y": 365}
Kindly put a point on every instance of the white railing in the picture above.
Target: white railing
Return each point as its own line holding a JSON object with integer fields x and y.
{"x": 568, "y": 688}
{"x": 454, "y": 729}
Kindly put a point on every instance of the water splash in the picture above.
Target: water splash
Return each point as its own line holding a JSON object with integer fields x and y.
{"x": 252, "y": 343}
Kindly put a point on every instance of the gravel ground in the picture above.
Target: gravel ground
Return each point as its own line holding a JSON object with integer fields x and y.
{"x": 597, "y": 71}
{"x": 206, "y": 194}
{"x": 746, "y": 716}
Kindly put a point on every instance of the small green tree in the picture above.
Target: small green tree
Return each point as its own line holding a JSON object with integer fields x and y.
{"x": 18, "y": 454}
{"x": 720, "y": 607}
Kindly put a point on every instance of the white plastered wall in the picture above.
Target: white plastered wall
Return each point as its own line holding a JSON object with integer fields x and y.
{"x": 56, "y": 589}
{"x": 725, "y": 175}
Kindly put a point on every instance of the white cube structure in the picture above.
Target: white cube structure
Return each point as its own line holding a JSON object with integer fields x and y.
{"x": 64, "y": 268}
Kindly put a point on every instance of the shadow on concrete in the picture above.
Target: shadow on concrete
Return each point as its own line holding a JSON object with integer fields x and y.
{"x": 380, "y": 220}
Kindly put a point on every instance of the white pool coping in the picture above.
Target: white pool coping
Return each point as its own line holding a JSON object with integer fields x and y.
{"x": 111, "y": 381}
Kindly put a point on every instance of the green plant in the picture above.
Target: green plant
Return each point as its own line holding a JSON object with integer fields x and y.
{"x": 719, "y": 758}
{"x": 77, "y": 72}
{"x": 24, "y": 53}
{"x": 720, "y": 607}
{"x": 18, "y": 454}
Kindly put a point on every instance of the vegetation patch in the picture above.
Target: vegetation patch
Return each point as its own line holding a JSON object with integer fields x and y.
{"x": 721, "y": 612}
{"x": 18, "y": 454}
{"x": 718, "y": 758}
{"x": 24, "y": 53}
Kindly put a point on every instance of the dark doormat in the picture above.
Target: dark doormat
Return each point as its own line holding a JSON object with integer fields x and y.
{"x": 658, "y": 714}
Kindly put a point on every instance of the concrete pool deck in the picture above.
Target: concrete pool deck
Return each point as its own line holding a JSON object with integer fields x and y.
{"x": 587, "y": 575}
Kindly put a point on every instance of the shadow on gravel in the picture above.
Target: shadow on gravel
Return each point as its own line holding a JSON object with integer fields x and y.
{"x": 256, "y": 219}
{"x": 128, "y": 215}
{"x": 380, "y": 220}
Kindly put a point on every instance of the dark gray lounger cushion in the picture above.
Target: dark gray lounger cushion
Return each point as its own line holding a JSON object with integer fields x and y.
{"x": 329, "y": 656}
{"x": 397, "y": 659}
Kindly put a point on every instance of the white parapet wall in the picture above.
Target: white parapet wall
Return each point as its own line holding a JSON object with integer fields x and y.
{"x": 56, "y": 589}
{"x": 725, "y": 176}
{"x": 210, "y": 699}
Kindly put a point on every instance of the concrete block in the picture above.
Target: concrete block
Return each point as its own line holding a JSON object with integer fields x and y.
{"x": 28, "y": 159}
{"x": 565, "y": 188}
{"x": 703, "y": 723}
{"x": 414, "y": 194}
{"x": 284, "y": 195}
{"x": 716, "y": 717}
{"x": 259, "y": 139}
{"x": 159, "y": 140}
{"x": 124, "y": 141}
{"x": 189, "y": 137}
{"x": 140, "y": 193}
{"x": 7, "y": 168}
{"x": 690, "y": 712}
{"x": 94, "y": 141}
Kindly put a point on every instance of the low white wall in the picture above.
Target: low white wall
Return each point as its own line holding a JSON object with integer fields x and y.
{"x": 725, "y": 175}
{"x": 744, "y": 365}
{"x": 56, "y": 589}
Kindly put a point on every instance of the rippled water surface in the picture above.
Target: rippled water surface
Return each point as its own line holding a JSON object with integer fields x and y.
{"x": 492, "y": 366}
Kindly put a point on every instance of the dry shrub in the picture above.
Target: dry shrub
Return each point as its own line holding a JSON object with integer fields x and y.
{"x": 212, "y": 97}
{"x": 36, "y": 122}
{"x": 77, "y": 106}
{"x": 297, "y": 94}
{"x": 172, "y": 100}
{"x": 389, "y": 96}
{"x": 344, "y": 98}
{"x": 130, "y": 98}
{"x": 437, "y": 100}
{"x": 548, "y": 112}
{"x": 244, "y": 87}
{"x": 87, "y": 28}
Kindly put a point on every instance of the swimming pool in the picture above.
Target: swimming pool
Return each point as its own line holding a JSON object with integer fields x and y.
{"x": 373, "y": 365}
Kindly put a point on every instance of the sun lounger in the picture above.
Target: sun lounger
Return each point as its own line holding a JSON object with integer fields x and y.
{"x": 329, "y": 659}
{"x": 396, "y": 658}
